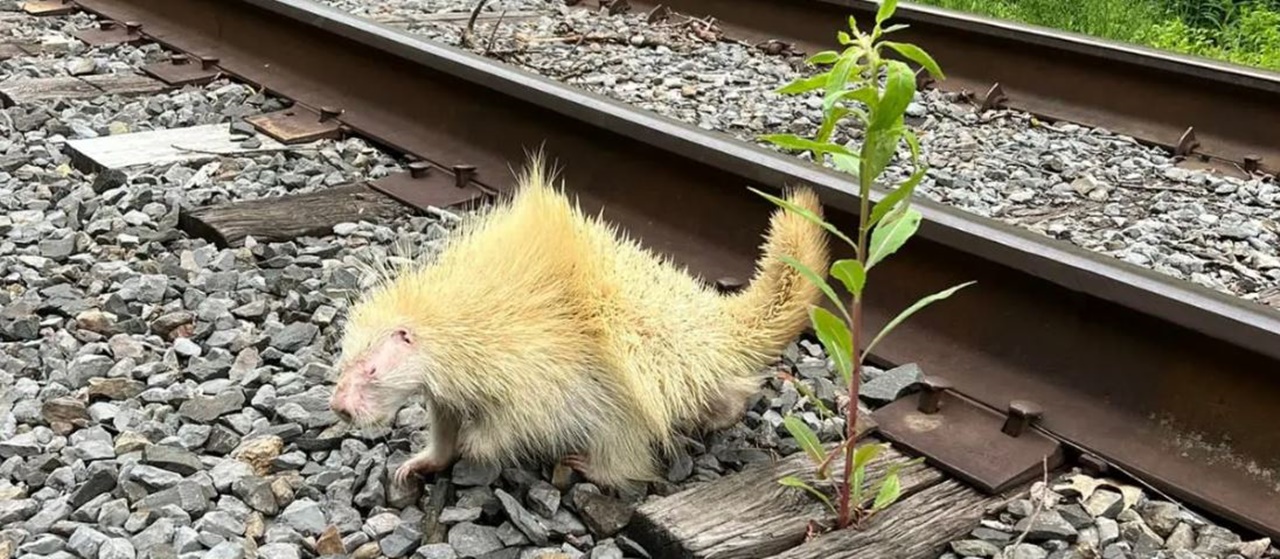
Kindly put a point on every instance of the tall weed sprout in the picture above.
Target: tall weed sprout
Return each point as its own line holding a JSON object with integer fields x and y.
{"x": 852, "y": 88}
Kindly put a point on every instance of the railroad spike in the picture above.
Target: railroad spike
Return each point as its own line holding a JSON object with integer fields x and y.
{"x": 329, "y": 113}
{"x": 924, "y": 80}
{"x": 995, "y": 98}
{"x": 462, "y": 175}
{"x": 659, "y": 14}
{"x": 1187, "y": 143}
{"x": 617, "y": 6}
{"x": 419, "y": 169}
{"x": 1252, "y": 163}
{"x": 931, "y": 390}
{"x": 1022, "y": 414}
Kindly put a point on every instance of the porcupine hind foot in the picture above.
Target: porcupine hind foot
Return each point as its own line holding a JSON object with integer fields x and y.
{"x": 728, "y": 407}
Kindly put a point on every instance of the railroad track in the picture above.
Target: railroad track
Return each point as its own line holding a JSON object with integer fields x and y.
{"x": 1117, "y": 356}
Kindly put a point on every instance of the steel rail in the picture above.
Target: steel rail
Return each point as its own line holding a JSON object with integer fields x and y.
{"x": 1127, "y": 363}
{"x": 1152, "y": 95}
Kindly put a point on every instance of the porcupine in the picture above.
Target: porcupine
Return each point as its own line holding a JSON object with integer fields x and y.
{"x": 538, "y": 332}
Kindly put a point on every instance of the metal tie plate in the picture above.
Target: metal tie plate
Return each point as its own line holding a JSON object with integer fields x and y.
{"x": 298, "y": 124}
{"x": 989, "y": 450}
{"x": 111, "y": 32}
{"x": 182, "y": 69}
{"x": 424, "y": 186}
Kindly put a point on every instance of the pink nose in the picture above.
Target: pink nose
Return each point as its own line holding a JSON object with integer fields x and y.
{"x": 337, "y": 404}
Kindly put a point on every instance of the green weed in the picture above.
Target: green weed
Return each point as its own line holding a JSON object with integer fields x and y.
{"x": 851, "y": 88}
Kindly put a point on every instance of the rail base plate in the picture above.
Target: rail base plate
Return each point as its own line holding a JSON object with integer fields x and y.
{"x": 967, "y": 440}
{"x": 184, "y": 70}
{"x": 424, "y": 186}
{"x": 297, "y": 124}
{"x": 110, "y": 33}
{"x": 48, "y": 7}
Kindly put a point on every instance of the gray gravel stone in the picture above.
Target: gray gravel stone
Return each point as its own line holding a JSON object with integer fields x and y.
{"x": 401, "y": 542}
{"x": 473, "y": 540}
{"x": 891, "y": 384}
{"x": 436, "y": 551}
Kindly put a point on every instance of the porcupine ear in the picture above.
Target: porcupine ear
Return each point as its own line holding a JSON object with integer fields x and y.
{"x": 403, "y": 335}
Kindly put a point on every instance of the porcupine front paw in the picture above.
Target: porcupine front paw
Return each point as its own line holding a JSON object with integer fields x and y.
{"x": 418, "y": 464}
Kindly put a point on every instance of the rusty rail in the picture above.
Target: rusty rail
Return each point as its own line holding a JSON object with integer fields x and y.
{"x": 1125, "y": 362}
{"x": 1154, "y": 96}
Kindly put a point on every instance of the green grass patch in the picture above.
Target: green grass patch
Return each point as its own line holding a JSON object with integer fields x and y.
{"x": 1245, "y": 32}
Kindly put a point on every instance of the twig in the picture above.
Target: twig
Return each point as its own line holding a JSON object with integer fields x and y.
{"x": 1031, "y": 520}
{"x": 241, "y": 152}
{"x": 489, "y": 46}
{"x": 471, "y": 23}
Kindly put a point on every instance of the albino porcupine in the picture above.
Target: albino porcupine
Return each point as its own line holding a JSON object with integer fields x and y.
{"x": 541, "y": 332}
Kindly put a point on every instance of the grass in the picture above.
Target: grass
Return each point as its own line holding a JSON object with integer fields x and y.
{"x": 1245, "y": 32}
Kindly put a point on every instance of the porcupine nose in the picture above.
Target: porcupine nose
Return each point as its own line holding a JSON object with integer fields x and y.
{"x": 335, "y": 404}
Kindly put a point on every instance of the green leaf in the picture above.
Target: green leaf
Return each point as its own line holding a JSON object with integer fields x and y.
{"x": 899, "y": 194}
{"x": 805, "y": 437}
{"x": 851, "y": 274}
{"x": 793, "y": 481}
{"x": 892, "y": 28}
{"x": 890, "y": 235}
{"x": 846, "y": 163}
{"x": 886, "y": 10}
{"x": 801, "y": 85}
{"x": 840, "y": 74}
{"x": 853, "y": 23}
{"x": 814, "y": 278}
{"x": 866, "y": 95}
{"x": 807, "y": 214}
{"x": 917, "y": 55}
{"x": 878, "y": 146}
{"x": 914, "y": 143}
{"x": 824, "y": 57}
{"x": 829, "y": 122}
{"x": 899, "y": 88}
{"x": 835, "y": 337}
{"x": 792, "y": 141}
{"x": 890, "y": 490}
{"x": 867, "y": 452}
{"x": 855, "y": 485}
{"x": 922, "y": 303}
{"x": 844, "y": 38}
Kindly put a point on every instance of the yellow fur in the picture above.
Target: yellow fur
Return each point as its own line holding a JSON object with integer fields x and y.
{"x": 545, "y": 332}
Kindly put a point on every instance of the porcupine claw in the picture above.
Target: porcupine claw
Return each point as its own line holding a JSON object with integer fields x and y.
{"x": 416, "y": 465}
{"x": 577, "y": 462}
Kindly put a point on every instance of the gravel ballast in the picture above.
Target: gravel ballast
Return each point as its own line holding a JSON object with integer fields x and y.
{"x": 163, "y": 397}
{"x": 1077, "y": 516}
{"x": 1087, "y": 186}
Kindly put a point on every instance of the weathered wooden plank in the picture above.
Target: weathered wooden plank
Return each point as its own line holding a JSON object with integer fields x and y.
{"x": 162, "y": 147}
{"x": 917, "y": 527}
{"x": 21, "y": 91}
{"x": 122, "y": 83}
{"x": 289, "y": 217}
{"x": 749, "y": 515}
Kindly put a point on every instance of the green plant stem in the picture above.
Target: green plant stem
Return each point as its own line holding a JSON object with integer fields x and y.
{"x": 851, "y": 425}
{"x": 855, "y": 334}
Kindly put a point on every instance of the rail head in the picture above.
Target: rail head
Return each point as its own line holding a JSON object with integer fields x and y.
{"x": 1107, "y": 50}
